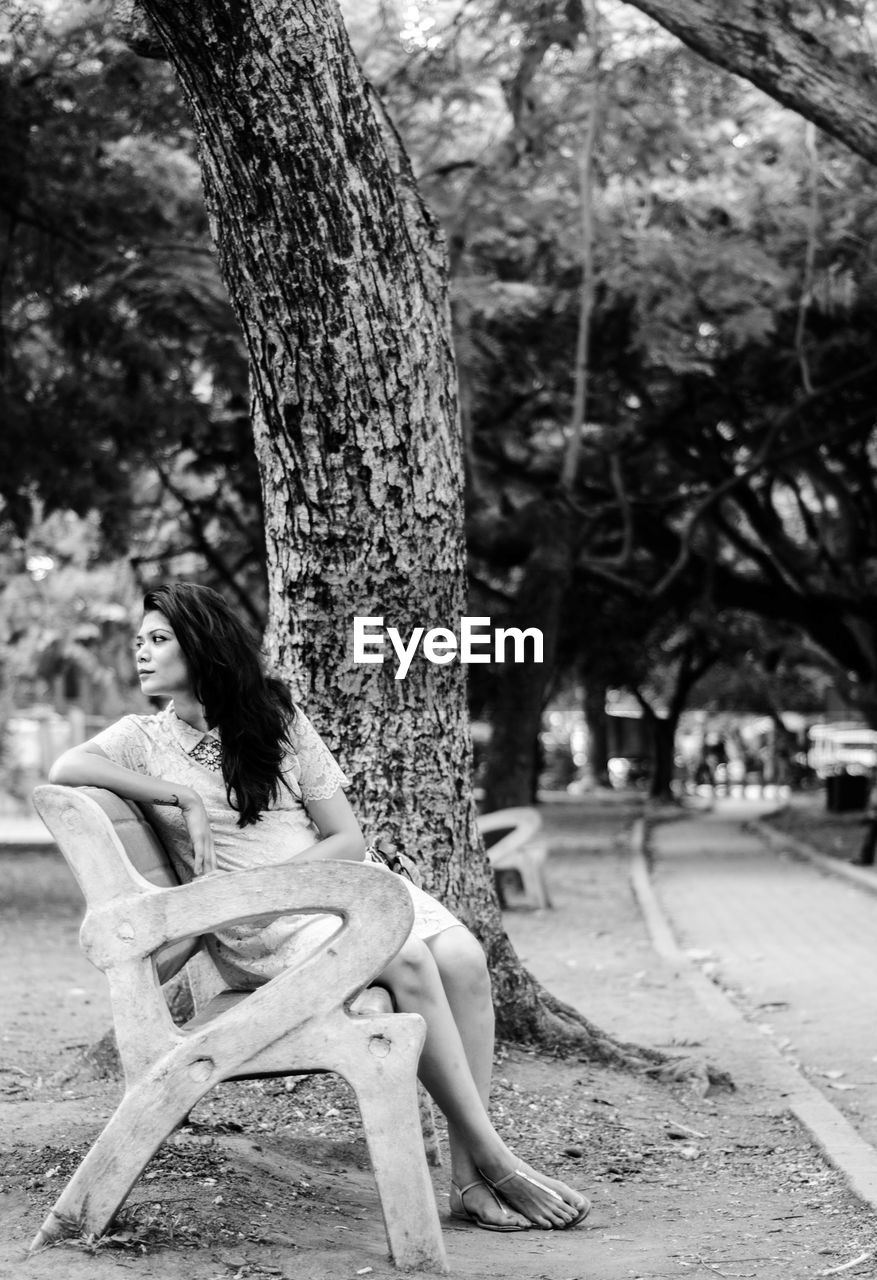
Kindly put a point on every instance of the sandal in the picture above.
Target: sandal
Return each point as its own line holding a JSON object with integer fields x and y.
{"x": 468, "y": 1216}
{"x": 534, "y": 1182}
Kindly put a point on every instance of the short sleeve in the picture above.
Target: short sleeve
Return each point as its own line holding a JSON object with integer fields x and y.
{"x": 319, "y": 775}
{"x": 126, "y": 743}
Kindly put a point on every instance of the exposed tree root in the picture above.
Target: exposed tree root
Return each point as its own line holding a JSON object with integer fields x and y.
{"x": 540, "y": 1019}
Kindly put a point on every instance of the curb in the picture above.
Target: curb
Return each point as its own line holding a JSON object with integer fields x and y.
{"x": 853, "y": 1157}
{"x": 783, "y": 843}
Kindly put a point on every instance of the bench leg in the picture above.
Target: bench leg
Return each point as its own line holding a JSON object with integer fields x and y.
{"x": 147, "y": 1114}
{"x": 381, "y": 1075}
{"x": 377, "y": 1054}
{"x": 535, "y": 884}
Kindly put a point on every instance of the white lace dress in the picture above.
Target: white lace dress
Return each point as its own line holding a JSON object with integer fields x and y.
{"x": 163, "y": 746}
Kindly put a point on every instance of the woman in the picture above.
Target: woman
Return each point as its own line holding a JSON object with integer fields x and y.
{"x": 234, "y": 775}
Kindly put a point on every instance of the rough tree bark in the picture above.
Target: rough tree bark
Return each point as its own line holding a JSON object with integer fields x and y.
{"x": 337, "y": 274}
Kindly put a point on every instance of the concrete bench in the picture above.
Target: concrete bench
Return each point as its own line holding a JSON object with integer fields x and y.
{"x": 142, "y": 926}
{"x": 517, "y": 851}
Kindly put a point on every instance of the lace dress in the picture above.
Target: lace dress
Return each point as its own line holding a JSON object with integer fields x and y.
{"x": 163, "y": 746}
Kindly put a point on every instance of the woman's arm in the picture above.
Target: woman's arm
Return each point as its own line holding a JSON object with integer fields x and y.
{"x": 88, "y": 766}
{"x": 339, "y": 830}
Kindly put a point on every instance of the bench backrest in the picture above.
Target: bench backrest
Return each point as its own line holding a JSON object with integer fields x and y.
{"x": 148, "y": 856}
{"x": 507, "y": 829}
{"x": 144, "y": 848}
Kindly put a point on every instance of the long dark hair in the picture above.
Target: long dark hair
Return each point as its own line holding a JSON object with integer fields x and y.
{"x": 252, "y": 710}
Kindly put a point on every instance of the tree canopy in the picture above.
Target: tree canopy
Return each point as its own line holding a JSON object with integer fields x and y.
{"x": 726, "y": 457}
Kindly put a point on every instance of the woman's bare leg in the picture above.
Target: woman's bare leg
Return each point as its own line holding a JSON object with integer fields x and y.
{"x": 462, "y": 968}
{"x": 413, "y": 978}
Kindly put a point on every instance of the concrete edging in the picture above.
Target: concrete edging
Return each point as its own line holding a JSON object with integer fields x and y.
{"x": 862, "y": 877}
{"x": 853, "y": 1157}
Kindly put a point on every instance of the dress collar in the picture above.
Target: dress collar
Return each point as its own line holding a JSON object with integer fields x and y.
{"x": 186, "y": 734}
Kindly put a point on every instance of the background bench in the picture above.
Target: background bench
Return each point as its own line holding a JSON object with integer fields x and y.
{"x": 517, "y": 851}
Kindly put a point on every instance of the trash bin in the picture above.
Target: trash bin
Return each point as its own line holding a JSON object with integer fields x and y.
{"x": 846, "y": 792}
{"x": 831, "y": 793}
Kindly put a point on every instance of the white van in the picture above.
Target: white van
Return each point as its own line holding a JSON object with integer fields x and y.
{"x": 834, "y": 747}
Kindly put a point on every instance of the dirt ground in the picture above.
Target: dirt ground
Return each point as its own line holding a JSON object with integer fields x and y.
{"x": 272, "y": 1181}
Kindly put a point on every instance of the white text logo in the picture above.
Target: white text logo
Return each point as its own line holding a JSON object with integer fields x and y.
{"x": 476, "y": 643}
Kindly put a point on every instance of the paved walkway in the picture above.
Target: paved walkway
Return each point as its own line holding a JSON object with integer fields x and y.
{"x": 793, "y": 946}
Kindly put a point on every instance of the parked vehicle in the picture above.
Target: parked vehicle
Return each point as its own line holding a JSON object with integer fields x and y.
{"x": 842, "y": 748}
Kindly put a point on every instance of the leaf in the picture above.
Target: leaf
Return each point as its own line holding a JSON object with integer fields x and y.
{"x": 846, "y": 1266}
{"x": 673, "y": 1130}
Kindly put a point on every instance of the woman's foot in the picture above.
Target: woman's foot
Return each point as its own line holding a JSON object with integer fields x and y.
{"x": 545, "y": 1202}
{"x": 477, "y": 1203}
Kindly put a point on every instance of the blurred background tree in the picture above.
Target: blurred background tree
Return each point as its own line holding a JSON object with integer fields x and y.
{"x": 726, "y": 455}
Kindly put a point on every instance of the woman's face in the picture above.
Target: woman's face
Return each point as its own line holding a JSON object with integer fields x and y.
{"x": 160, "y": 663}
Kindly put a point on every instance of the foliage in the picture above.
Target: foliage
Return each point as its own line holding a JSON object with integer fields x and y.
{"x": 766, "y": 668}
{"x": 727, "y": 459}
{"x": 123, "y": 379}
{"x": 65, "y": 617}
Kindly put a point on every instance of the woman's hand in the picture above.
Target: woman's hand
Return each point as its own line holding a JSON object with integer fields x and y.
{"x": 88, "y": 766}
{"x": 192, "y": 807}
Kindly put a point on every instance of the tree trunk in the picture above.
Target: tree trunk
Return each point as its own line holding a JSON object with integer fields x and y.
{"x": 598, "y": 732}
{"x": 336, "y": 272}
{"x": 663, "y": 734}
{"x": 835, "y": 90}
{"x": 511, "y": 775}
{"x": 512, "y": 768}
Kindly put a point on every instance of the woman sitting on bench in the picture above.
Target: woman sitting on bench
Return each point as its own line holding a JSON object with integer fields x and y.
{"x": 233, "y": 775}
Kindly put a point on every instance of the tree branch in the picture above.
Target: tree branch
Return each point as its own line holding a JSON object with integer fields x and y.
{"x": 761, "y": 459}
{"x": 809, "y": 259}
{"x": 769, "y": 564}
{"x": 573, "y": 450}
{"x": 825, "y": 85}
{"x": 137, "y": 31}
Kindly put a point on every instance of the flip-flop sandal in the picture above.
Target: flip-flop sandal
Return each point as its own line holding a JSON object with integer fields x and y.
{"x": 534, "y": 1182}
{"x": 467, "y": 1216}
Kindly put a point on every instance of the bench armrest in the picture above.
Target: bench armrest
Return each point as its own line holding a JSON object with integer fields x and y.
{"x": 137, "y": 925}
